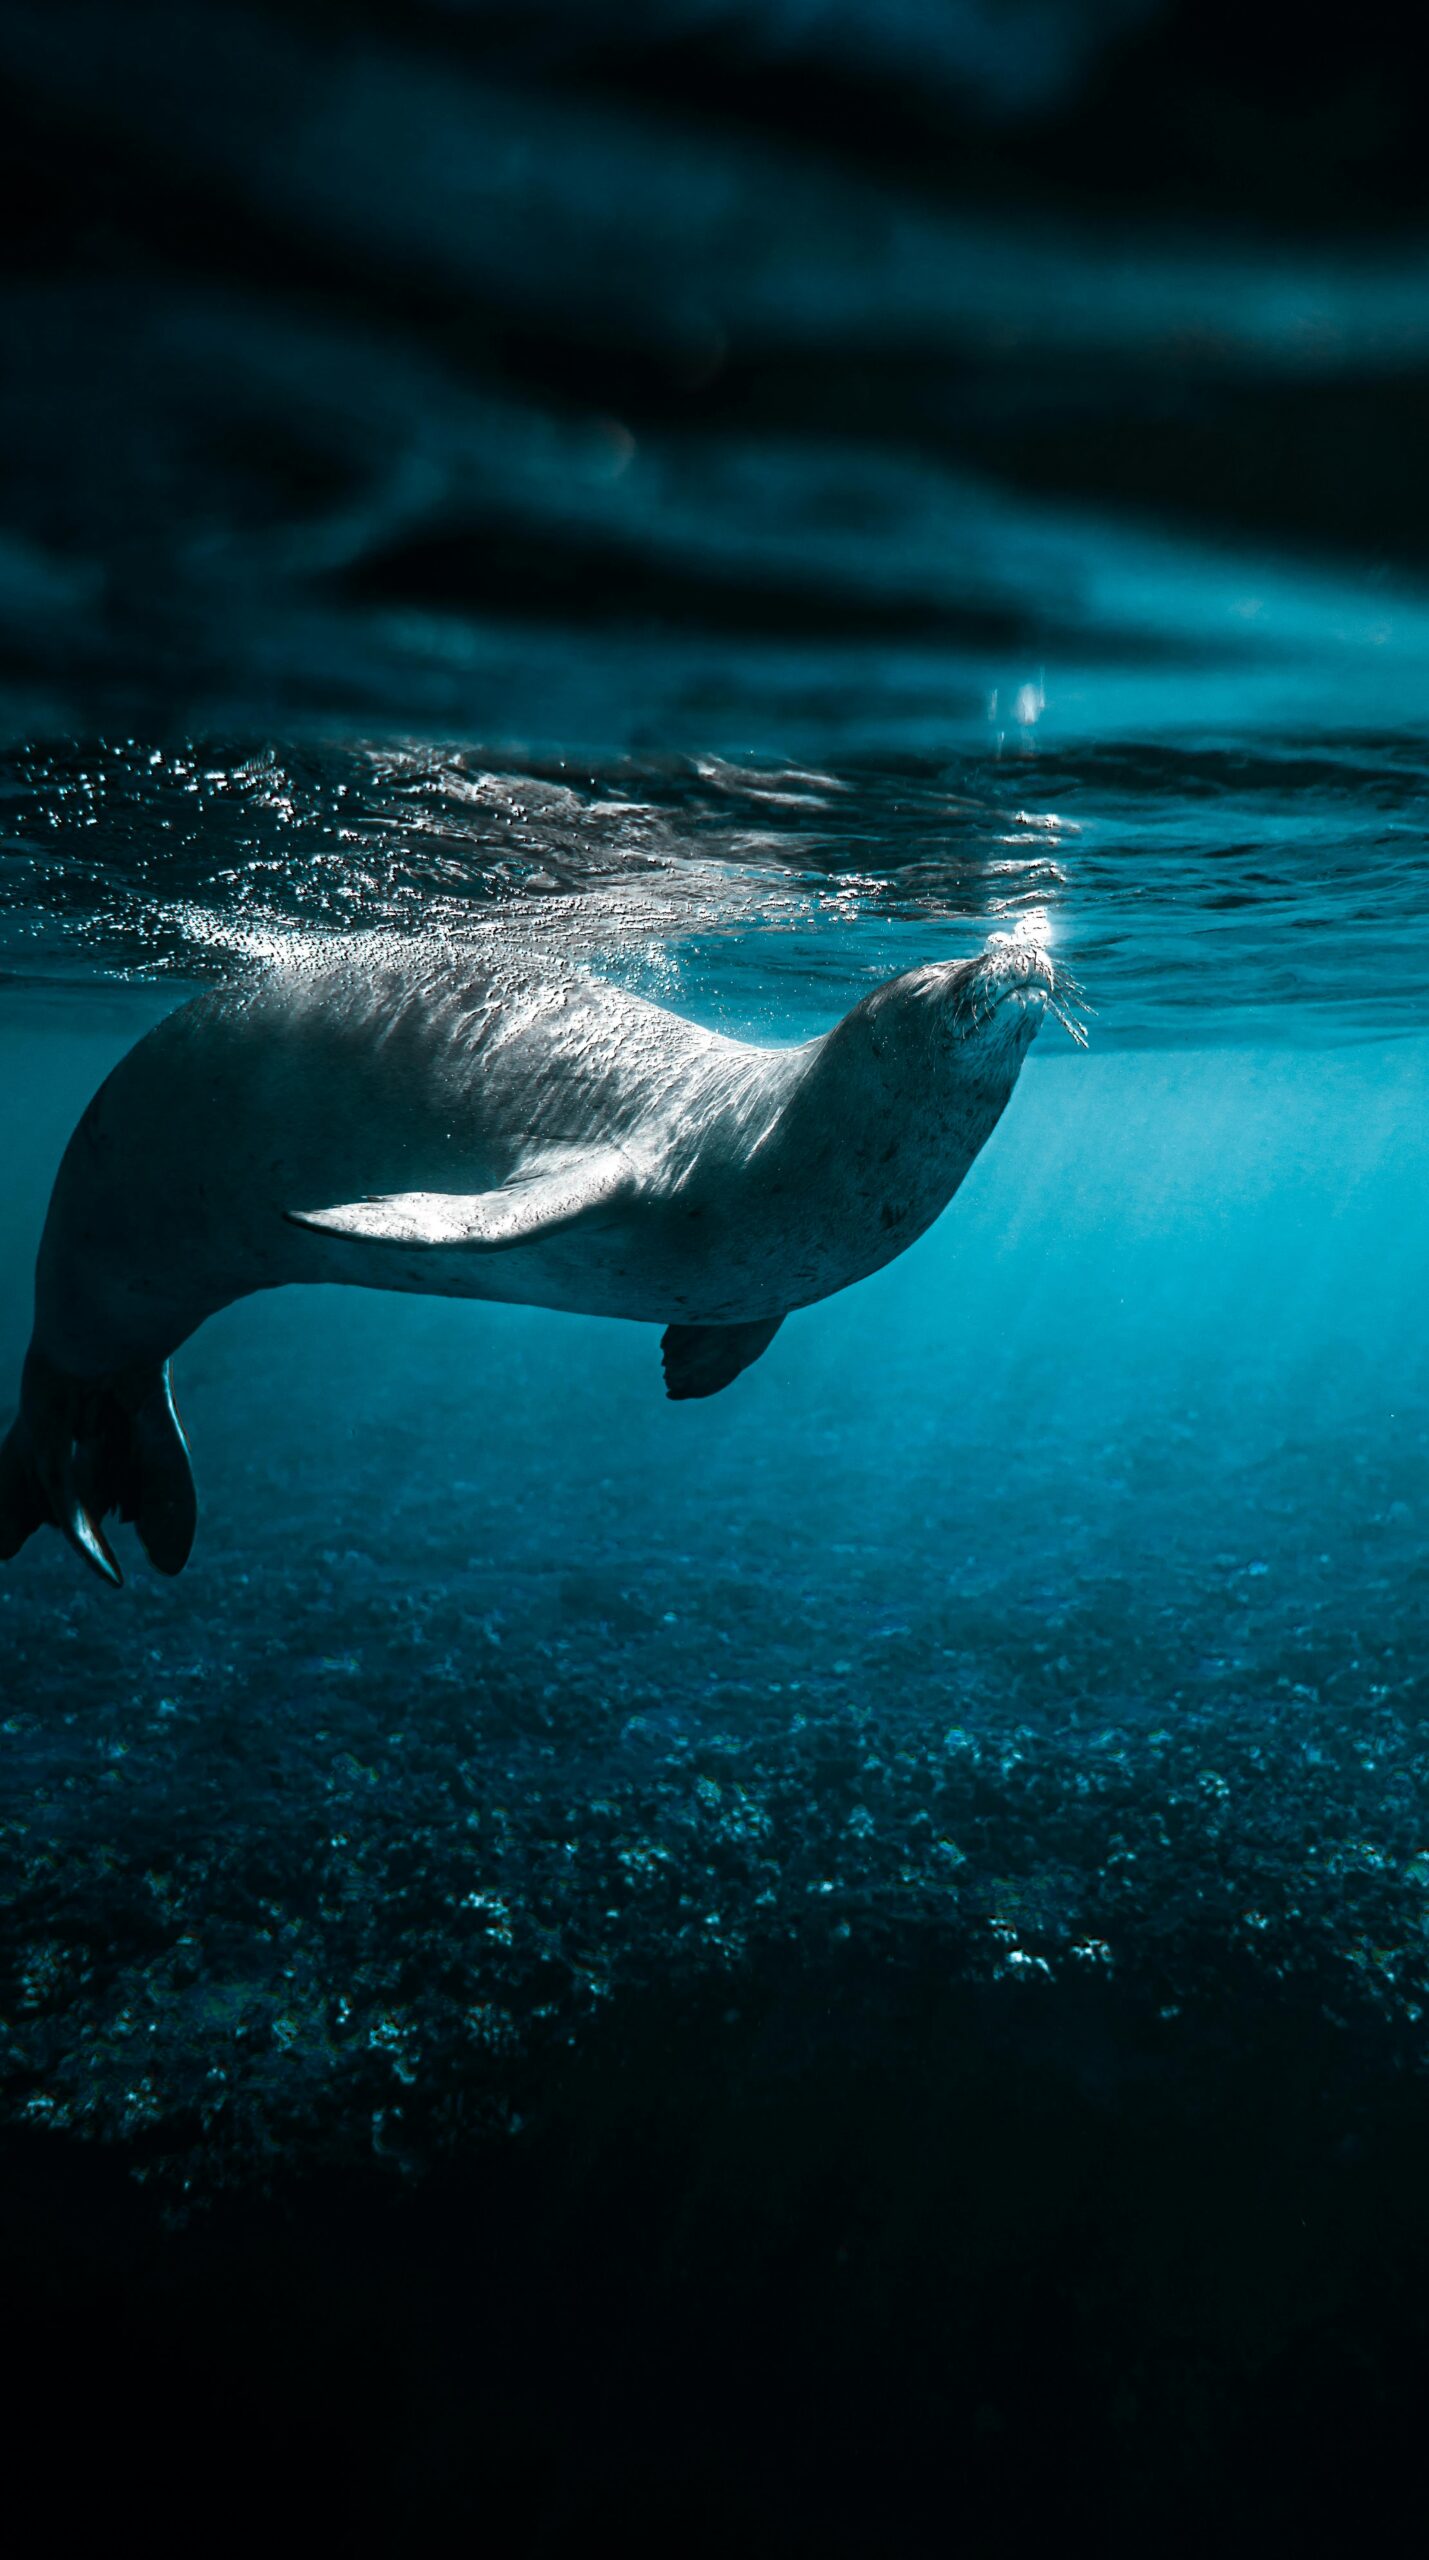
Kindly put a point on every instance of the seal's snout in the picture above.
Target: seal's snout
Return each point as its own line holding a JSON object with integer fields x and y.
{"x": 1010, "y": 987}
{"x": 1006, "y": 991}
{"x": 1012, "y": 966}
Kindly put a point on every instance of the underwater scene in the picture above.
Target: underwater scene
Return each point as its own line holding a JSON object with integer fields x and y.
{"x": 766, "y": 1893}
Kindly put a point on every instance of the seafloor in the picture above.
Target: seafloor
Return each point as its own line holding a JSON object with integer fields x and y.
{"x": 327, "y": 1861}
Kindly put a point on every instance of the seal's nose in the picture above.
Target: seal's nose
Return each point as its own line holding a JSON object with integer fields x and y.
{"x": 1011, "y": 965}
{"x": 1019, "y": 978}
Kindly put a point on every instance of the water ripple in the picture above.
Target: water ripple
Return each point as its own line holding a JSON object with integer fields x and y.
{"x": 1203, "y": 892}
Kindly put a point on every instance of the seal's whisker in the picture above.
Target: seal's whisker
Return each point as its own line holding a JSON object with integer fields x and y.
{"x": 1069, "y": 991}
{"x": 1073, "y": 1028}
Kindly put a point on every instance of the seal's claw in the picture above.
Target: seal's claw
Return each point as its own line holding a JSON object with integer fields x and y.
{"x": 88, "y": 1540}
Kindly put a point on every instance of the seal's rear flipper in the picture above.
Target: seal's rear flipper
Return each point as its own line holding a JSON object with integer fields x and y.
{"x": 80, "y": 1449}
{"x": 164, "y": 1503}
{"x": 699, "y": 1359}
{"x": 23, "y": 1508}
{"x": 36, "y": 1492}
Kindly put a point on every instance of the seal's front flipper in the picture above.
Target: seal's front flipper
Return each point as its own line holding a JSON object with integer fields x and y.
{"x": 579, "y": 1186}
{"x": 699, "y": 1359}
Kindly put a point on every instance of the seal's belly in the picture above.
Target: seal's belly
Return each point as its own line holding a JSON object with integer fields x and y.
{"x": 660, "y": 1265}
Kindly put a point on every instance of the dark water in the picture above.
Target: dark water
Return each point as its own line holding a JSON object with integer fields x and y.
{"x": 844, "y": 1968}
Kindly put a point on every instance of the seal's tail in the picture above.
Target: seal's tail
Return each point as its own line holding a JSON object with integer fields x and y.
{"x": 81, "y": 1448}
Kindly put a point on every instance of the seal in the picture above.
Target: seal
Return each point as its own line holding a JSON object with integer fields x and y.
{"x": 427, "y": 1117}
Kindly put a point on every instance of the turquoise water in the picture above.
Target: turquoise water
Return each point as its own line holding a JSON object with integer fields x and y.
{"x": 1049, "y": 1607}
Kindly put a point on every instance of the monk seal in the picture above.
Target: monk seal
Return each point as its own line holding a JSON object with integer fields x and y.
{"x": 427, "y": 1117}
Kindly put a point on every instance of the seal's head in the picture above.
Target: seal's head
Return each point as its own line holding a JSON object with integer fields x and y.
{"x": 978, "y": 1016}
